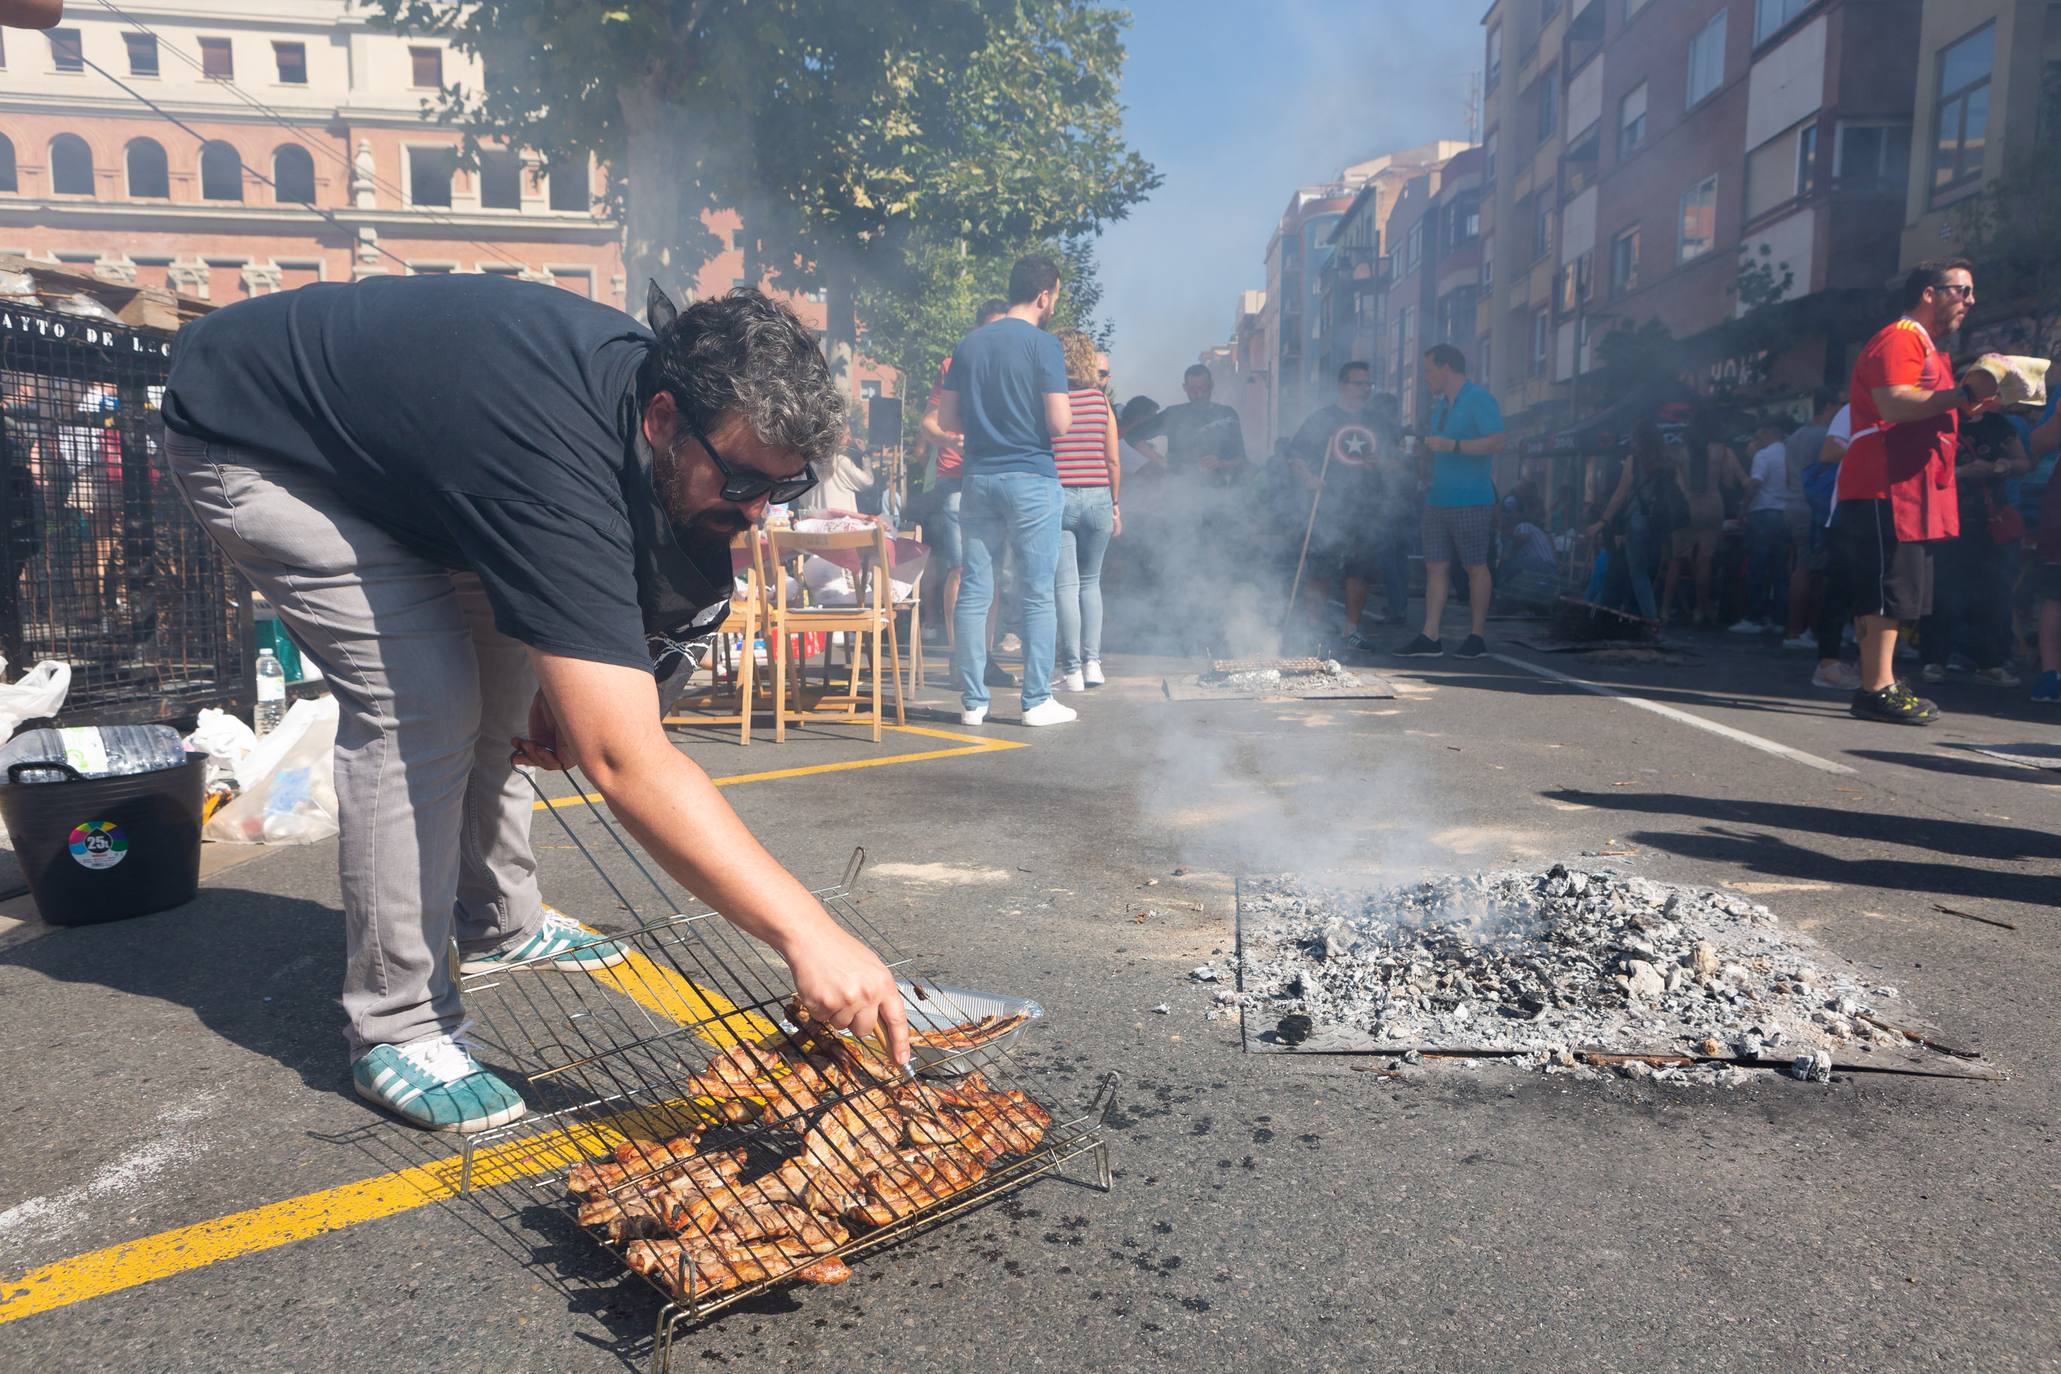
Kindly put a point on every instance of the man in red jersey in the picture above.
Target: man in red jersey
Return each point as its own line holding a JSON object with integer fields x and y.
{"x": 1896, "y": 485}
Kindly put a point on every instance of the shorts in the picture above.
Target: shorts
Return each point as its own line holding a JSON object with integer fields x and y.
{"x": 1891, "y": 577}
{"x": 1696, "y": 544}
{"x": 1459, "y": 534}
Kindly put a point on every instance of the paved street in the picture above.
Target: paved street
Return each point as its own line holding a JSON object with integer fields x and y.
{"x": 1270, "y": 1212}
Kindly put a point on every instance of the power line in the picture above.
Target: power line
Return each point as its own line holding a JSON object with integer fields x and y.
{"x": 346, "y": 162}
{"x": 203, "y": 139}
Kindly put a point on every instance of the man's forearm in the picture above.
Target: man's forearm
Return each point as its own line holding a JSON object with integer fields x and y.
{"x": 676, "y": 813}
{"x": 1897, "y": 404}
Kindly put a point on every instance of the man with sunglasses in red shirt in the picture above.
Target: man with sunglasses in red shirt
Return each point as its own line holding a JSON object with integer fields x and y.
{"x": 1895, "y": 495}
{"x": 498, "y": 516}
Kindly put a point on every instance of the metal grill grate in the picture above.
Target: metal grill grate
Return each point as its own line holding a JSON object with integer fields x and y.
{"x": 718, "y": 1142}
{"x": 1228, "y": 667}
{"x": 101, "y": 564}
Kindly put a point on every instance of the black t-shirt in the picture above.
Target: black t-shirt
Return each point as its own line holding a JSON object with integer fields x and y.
{"x": 485, "y": 422}
{"x": 1196, "y": 430}
{"x": 1987, "y": 438}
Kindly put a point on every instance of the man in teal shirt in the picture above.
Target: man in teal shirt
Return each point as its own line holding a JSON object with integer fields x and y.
{"x": 1463, "y": 438}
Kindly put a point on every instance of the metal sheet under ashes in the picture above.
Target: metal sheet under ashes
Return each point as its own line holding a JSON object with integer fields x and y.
{"x": 1277, "y": 679}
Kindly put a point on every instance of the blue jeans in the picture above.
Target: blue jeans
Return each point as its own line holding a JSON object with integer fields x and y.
{"x": 946, "y": 538}
{"x": 1019, "y": 513}
{"x": 1084, "y": 527}
{"x": 1767, "y": 566}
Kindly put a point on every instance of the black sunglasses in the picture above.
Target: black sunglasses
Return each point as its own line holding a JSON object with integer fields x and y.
{"x": 741, "y": 485}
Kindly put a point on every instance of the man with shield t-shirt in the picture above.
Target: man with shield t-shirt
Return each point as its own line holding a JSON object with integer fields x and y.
{"x": 1352, "y": 535}
{"x": 498, "y": 515}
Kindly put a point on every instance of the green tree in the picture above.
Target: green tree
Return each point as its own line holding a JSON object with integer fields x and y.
{"x": 852, "y": 138}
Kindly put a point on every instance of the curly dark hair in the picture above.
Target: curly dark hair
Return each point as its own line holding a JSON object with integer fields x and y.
{"x": 743, "y": 351}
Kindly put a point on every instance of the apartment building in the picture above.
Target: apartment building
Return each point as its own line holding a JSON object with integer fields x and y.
{"x": 1697, "y": 139}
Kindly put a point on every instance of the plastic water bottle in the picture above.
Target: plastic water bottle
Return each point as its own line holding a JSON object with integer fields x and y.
{"x": 271, "y": 694}
{"x": 94, "y": 751}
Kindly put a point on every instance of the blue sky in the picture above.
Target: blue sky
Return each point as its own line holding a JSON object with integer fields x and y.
{"x": 1237, "y": 104}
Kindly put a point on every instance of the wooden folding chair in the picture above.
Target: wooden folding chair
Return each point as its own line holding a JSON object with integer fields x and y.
{"x": 871, "y": 618}
{"x": 747, "y": 616}
{"x": 913, "y": 604}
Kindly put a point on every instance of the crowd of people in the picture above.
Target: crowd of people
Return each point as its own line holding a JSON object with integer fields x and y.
{"x": 1898, "y": 513}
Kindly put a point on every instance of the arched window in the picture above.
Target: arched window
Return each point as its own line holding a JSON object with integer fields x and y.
{"x": 71, "y": 166}
{"x": 221, "y": 172}
{"x": 7, "y": 181}
{"x": 293, "y": 175}
{"x": 147, "y": 174}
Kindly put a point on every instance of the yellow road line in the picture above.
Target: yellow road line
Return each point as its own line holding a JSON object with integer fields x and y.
{"x": 972, "y": 744}
{"x": 657, "y": 988}
{"x": 275, "y": 1224}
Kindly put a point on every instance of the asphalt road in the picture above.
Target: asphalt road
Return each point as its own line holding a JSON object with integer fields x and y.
{"x": 1270, "y": 1212}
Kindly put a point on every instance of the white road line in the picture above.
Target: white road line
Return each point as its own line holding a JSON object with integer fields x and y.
{"x": 1766, "y": 746}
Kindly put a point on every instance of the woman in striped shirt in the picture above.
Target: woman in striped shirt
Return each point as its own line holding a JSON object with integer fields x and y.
{"x": 1089, "y": 476}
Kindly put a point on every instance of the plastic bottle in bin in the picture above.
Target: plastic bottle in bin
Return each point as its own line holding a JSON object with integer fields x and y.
{"x": 94, "y": 751}
{"x": 271, "y": 708}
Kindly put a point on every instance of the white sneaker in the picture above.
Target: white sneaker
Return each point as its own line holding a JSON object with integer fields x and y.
{"x": 1837, "y": 677}
{"x": 1074, "y": 681}
{"x": 1998, "y": 676}
{"x": 1050, "y": 712}
{"x": 1010, "y": 644}
{"x": 1801, "y": 642}
{"x": 1091, "y": 673}
{"x": 974, "y": 717}
{"x": 1932, "y": 672}
{"x": 1748, "y": 627}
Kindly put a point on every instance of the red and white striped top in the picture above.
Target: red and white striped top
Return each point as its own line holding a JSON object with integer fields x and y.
{"x": 1082, "y": 452}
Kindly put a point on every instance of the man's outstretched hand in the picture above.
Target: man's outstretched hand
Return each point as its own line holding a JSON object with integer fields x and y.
{"x": 846, "y": 987}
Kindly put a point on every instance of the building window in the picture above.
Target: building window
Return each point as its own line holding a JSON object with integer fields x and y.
{"x": 1807, "y": 160}
{"x": 226, "y": 281}
{"x": 430, "y": 171}
{"x": 152, "y": 271}
{"x": 293, "y": 275}
{"x": 221, "y": 172}
{"x": 1495, "y": 57}
{"x": 293, "y": 175}
{"x": 71, "y": 166}
{"x": 500, "y": 179}
{"x": 1707, "y": 61}
{"x": 426, "y": 66}
{"x": 1577, "y": 284}
{"x": 292, "y": 61}
{"x": 500, "y": 269}
{"x": 1631, "y": 121}
{"x": 569, "y": 188}
{"x": 1542, "y": 229}
{"x": 429, "y": 269}
{"x": 8, "y": 181}
{"x": 216, "y": 61}
{"x": 65, "y": 52}
{"x": 1413, "y": 247}
{"x": 1699, "y": 221}
{"x": 1488, "y": 264}
{"x": 1770, "y": 16}
{"x": 142, "y": 53}
{"x": 1871, "y": 155}
{"x": 577, "y": 280}
{"x": 1962, "y": 121}
{"x": 1624, "y": 262}
{"x": 1541, "y": 341}
{"x": 1546, "y": 96}
{"x": 149, "y": 179}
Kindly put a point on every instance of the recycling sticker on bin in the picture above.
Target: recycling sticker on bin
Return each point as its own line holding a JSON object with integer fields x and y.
{"x": 99, "y": 844}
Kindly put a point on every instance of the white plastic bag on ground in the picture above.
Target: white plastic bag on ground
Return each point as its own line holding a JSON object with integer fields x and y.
{"x": 39, "y": 693}
{"x": 225, "y": 739}
{"x": 288, "y": 782}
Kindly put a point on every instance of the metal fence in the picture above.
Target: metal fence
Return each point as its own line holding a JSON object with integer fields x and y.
{"x": 101, "y": 564}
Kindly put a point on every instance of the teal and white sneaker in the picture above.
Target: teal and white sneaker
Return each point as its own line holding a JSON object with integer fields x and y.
{"x": 436, "y": 1084}
{"x": 558, "y": 942}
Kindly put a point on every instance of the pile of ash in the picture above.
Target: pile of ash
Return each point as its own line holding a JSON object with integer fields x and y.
{"x": 1548, "y": 965}
{"x": 1264, "y": 678}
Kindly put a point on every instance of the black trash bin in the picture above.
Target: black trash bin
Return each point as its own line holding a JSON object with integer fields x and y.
{"x": 105, "y": 849}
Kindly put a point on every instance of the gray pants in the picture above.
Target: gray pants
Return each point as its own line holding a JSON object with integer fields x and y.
{"x": 435, "y": 819}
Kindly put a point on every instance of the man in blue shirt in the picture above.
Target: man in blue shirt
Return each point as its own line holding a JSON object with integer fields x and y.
{"x": 1465, "y": 435}
{"x": 1006, "y": 393}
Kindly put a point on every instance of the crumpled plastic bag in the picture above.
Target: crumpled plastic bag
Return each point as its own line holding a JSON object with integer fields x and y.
{"x": 227, "y": 740}
{"x": 288, "y": 782}
{"x": 39, "y": 693}
{"x": 85, "y": 307}
{"x": 19, "y": 288}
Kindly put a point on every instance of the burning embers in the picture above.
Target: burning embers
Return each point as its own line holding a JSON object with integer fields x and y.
{"x": 1553, "y": 969}
{"x": 1226, "y": 679}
